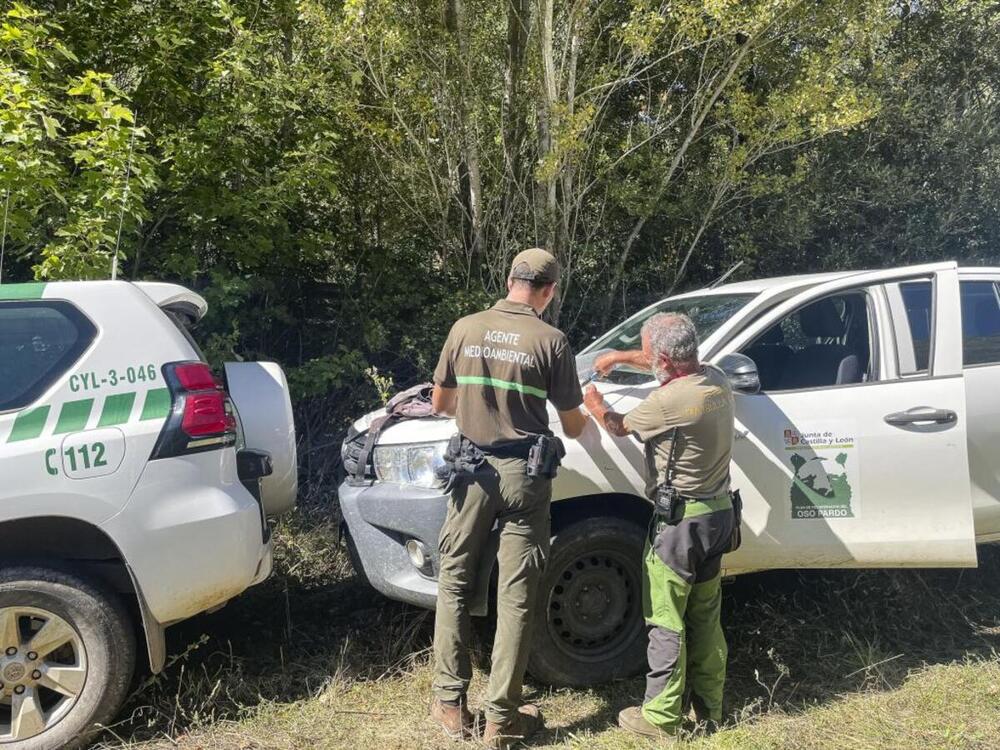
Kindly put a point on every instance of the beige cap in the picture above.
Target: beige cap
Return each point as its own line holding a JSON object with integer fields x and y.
{"x": 535, "y": 264}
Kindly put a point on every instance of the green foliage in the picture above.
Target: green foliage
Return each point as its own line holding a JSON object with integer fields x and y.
{"x": 67, "y": 139}
{"x": 341, "y": 181}
{"x": 921, "y": 181}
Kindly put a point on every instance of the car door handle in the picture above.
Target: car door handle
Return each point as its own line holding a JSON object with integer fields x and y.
{"x": 921, "y": 414}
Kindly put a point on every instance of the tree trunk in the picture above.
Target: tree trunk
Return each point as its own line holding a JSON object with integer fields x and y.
{"x": 513, "y": 128}
{"x": 567, "y": 199}
{"x": 470, "y": 179}
{"x": 548, "y": 121}
{"x": 706, "y": 219}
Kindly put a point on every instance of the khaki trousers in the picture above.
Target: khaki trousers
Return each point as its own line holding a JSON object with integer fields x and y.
{"x": 518, "y": 507}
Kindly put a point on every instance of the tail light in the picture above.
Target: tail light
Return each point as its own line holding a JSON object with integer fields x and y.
{"x": 201, "y": 415}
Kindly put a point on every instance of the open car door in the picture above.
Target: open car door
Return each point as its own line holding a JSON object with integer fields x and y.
{"x": 854, "y": 452}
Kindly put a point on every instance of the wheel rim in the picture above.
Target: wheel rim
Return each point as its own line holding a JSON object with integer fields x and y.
{"x": 593, "y": 607}
{"x": 43, "y": 668}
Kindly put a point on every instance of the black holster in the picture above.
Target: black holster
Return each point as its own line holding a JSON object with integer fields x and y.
{"x": 545, "y": 457}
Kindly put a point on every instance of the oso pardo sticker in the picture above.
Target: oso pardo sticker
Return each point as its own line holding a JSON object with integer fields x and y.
{"x": 824, "y": 471}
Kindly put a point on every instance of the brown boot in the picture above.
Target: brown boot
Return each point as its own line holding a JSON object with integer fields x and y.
{"x": 457, "y": 722}
{"x": 525, "y": 722}
{"x": 633, "y": 720}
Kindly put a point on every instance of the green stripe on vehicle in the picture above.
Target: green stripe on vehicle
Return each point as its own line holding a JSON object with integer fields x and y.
{"x": 507, "y": 385}
{"x": 117, "y": 409}
{"x": 29, "y": 424}
{"x": 73, "y": 416}
{"x": 157, "y": 404}
{"x": 32, "y": 290}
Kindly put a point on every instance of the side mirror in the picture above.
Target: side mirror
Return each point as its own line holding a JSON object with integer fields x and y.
{"x": 742, "y": 373}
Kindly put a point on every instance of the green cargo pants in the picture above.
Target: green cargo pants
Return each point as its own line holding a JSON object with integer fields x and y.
{"x": 518, "y": 505}
{"x": 682, "y": 599}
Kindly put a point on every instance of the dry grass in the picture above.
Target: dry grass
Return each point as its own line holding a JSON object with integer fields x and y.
{"x": 930, "y": 710}
{"x": 312, "y": 658}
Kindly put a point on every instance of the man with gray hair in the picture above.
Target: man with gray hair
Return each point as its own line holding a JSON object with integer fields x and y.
{"x": 687, "y": 427}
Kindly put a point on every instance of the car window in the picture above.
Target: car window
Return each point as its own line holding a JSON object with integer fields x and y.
{"x": 825, "y": 343}
{"x": 914, "y": 344}
{"x": 980, "y": 322}
{"x": 39, "y": 342}
{"x": 184, "y": 325}
{"x": 707, "y": 312}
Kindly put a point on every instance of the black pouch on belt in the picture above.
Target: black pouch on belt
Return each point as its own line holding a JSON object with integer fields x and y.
{"x": 545, "y": 457}
{"x": 668, "y": 505}
{"x": 737, "y": 538}
{"x": 462, "y": 459}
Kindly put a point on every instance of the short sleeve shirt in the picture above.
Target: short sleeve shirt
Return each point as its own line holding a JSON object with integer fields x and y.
{"x": 507, "y": 363}
{"x": 700, "y": 406}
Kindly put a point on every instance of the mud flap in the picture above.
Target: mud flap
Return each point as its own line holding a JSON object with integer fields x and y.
{"x": 156, "y": 641}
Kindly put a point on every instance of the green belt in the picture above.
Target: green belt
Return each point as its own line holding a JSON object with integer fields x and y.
{"x": 712, "y": 504}
{"x": 699, "y": 507}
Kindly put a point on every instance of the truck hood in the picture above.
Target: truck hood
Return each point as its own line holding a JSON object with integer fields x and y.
{"x": 433, "y": 429}
{"x": 409, "y": 431}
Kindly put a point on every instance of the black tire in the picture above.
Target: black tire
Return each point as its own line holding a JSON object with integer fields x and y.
{"x": 105, "y": 631}
{"x": 589, "y": 628}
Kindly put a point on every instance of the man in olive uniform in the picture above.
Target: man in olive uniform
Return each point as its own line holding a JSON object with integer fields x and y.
{"x": 497, "y": 370}
{"x": 687, "y": 427}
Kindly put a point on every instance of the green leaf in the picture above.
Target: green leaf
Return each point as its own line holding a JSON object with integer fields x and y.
{"x": 51, "y": 125}
{"x": 65, "y": 51}
{"x": 119, "y": 112}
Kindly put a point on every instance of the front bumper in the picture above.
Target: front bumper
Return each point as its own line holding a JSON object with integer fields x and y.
{"x": 381, "y": 518}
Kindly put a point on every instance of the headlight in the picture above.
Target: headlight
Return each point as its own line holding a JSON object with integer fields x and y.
{"x": 409, "y": 464}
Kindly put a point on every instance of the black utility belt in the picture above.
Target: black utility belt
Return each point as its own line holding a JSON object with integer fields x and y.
{"x": 508, "y": 450}
{"x": 542, "y": 454}
{"x": 463, "y": 459}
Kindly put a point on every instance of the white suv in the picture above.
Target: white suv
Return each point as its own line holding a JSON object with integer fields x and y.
{"x": 136, "y": 491}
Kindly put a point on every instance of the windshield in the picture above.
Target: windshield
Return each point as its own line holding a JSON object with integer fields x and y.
{"x": 708, "y": 312}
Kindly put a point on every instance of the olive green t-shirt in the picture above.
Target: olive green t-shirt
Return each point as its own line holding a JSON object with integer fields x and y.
{"x": 701, "y": 406}
{"x": 506, "y": 363}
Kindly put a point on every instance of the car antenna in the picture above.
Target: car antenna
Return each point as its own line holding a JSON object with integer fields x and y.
{"x": 725, "y": 276}
{"x": 121, "y": 215}
{"x": 3, "y": 233}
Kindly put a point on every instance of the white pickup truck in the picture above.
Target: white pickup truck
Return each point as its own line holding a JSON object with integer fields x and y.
{"x": 870, "y": 442}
